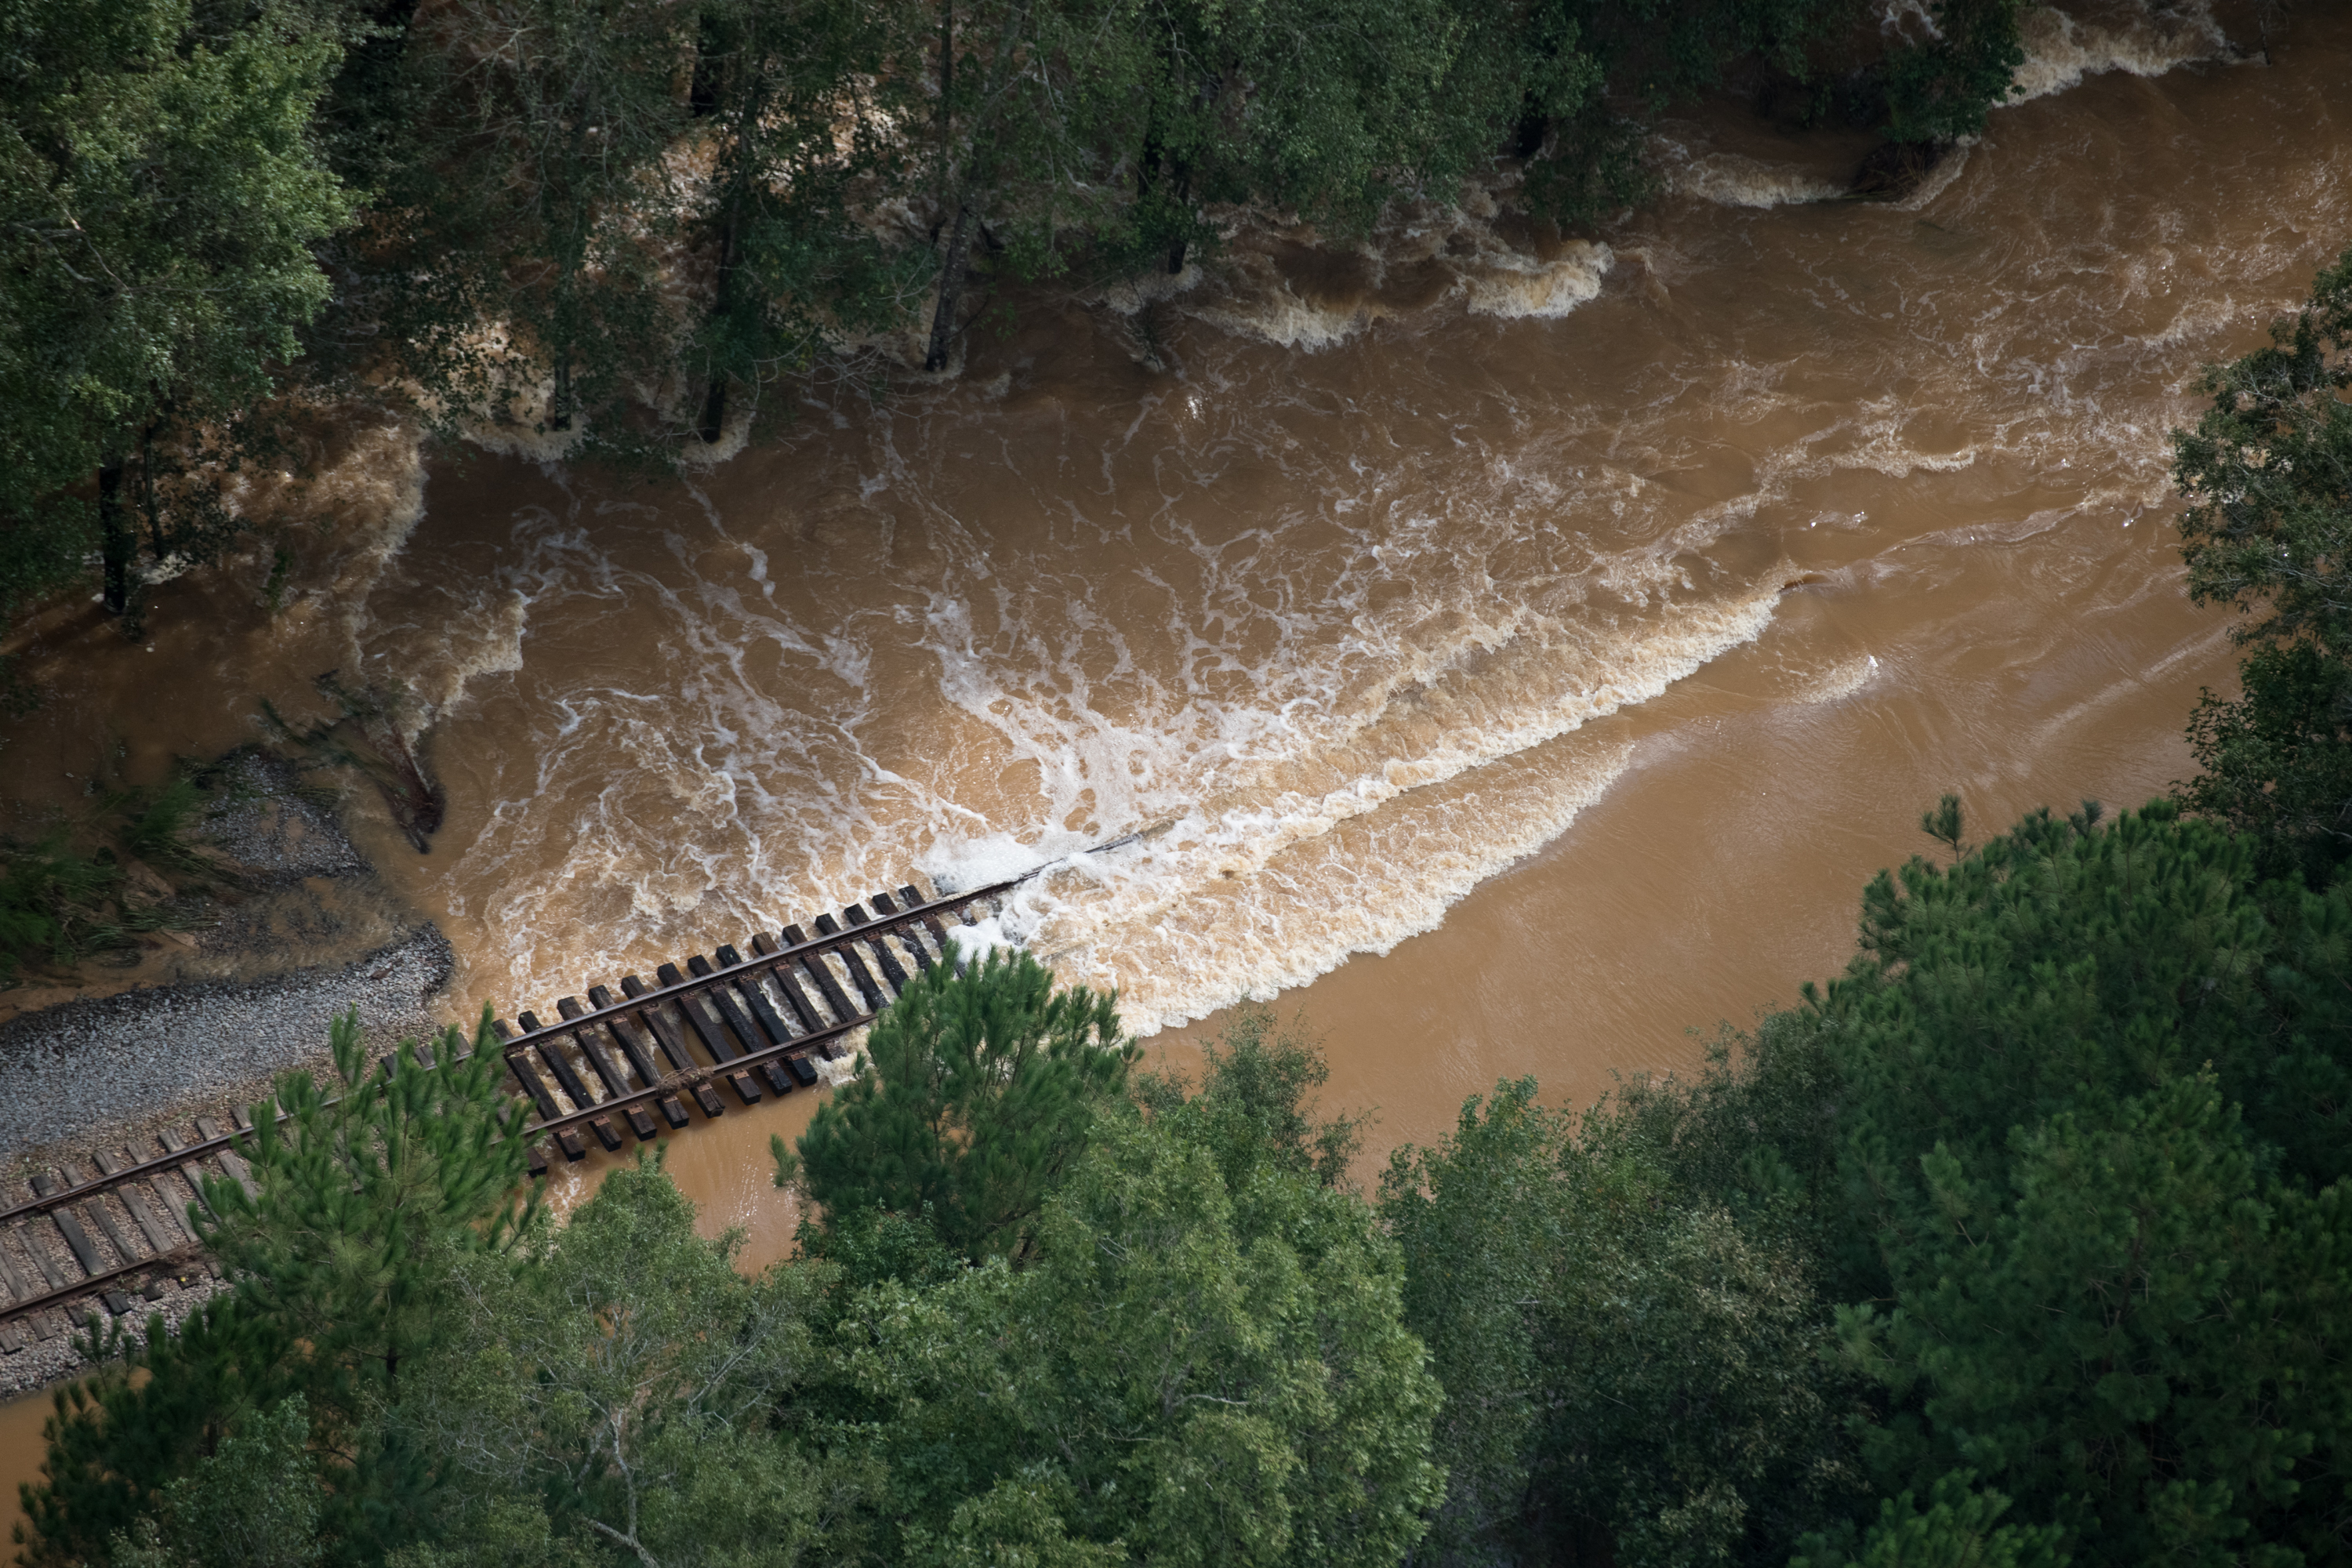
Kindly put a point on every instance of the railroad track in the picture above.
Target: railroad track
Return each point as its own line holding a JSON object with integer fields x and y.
{"x": 111, "y": 1233}
{"x": 721, "y": 1027}
{"x": 109, "y": 1236}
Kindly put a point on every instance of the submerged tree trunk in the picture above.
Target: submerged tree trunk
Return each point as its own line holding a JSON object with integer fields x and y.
{"x": 382, "y": 755}
{"x": 714, "y": 409}
{"x": 952, "y": 273}
{"x": 559, "y": 407}
{"x": 118, "y": 542}
{"x": 1184, "y": 195}
{"x": 714, "y": 404}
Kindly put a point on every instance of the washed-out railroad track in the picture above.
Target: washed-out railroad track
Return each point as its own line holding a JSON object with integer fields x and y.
{"x": 111, "y": 1233}
{"x": 730, "y": 1027}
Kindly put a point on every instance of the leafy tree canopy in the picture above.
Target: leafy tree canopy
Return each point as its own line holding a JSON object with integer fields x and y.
{"x": 975, "y": 1094}
{"x": 161, "y": 193}
{"x": 2090, "y": 1212}
{"x": 1185, "y": 1371}
{"x": 618, "y": 1397}
{"x": 2267, "y": 472}
{"x": 1629, "y": 1367}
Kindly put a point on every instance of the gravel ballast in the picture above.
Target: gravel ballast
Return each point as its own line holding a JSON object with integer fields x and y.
{"x": 303, "y": 931}
{"x": 71, "y": 1071}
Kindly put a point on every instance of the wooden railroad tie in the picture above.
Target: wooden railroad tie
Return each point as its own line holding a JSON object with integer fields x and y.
{"x": 721, "y": 1021}
{"x": 113, "y": 1235}
{"x": 113, "y": 1239}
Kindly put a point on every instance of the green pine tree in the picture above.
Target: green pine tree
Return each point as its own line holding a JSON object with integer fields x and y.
{"x": 340, "y": 1264}
{"x": 2091, "y": 1217}
{"x": 974, "y": 1096}
{"x": 2267, "y": 473}
{"x": 1959, "y": 1528}
{"x": 121, "y": 1437}
{"x": 360, "y": 1198}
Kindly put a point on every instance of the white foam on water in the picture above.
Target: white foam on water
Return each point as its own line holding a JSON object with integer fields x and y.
{"x": 1254, "y": 298}
{"x": 1247, "y": 292}
{"x": 681, "y": 802}
{"x": 372, "y": 501}
{"x": 955, "y": 864}
{"x": 1511, "y": 285}
{"x": 1381, "y": 878}
{"x": 1730, "y": 179}
{"x": 2062, "y": 50}
{"x": 1258, "y": 803}
{"x": 1306, "y": 735}
{"x": 1840, "y": 681}
{"x": 973, "y": 943}
{"x": 1129, "y": 296}
{"x": 1328, "y": 680}
{"x": 1242, "y": 903}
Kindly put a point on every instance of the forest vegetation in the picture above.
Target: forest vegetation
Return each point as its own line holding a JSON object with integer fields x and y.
{"x": 2024, "y": 1241}
{"x": 2027, "y": 1240}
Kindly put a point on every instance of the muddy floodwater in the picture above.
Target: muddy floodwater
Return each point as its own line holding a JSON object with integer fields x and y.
{"x": 1515, "y": 649}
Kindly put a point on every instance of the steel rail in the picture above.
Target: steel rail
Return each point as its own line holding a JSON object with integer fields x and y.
{"x": 186, "y": 1161}
{"x": 226, "y": 1142}
{"x": 815, "y": 944}
{"x": 186, "y": 1255}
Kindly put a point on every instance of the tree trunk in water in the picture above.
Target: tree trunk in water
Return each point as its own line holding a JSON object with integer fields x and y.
{"x": 118, "y": 544}
{"x": 147, "y": 490}
{"x": 714, "y": 406}
{"x": 559, "y": 411}
{"x": 943, "y": 320}
{"x": 1183, "y": 195}
{"x": 714, "y": 409}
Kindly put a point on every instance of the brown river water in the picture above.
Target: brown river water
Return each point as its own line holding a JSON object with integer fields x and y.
{"x": 1517, "y": 653}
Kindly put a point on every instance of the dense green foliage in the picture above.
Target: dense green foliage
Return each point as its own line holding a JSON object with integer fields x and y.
{"x": 975, "y": 1095}
{"x": 342, "y": 1259}
{"x": 358, "y": 1197}
{"x": 2089, "y": 1214}
{"x": 2032, "y": 1224}
{"x": 1189, "y": 1372}
{"x": 1940, "y": 87}
{"x": 119, "y": 1441}
{"x": 2268, "y": 476}
{"x": 2025, "y": 1241}
{"x": 253, "y": 1503}
{"x": 618, "y": 1389}
{"x": 1201, "y": 1344}
{"x": 1630, "y": 1365}
{"x": 161, "y": 193}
